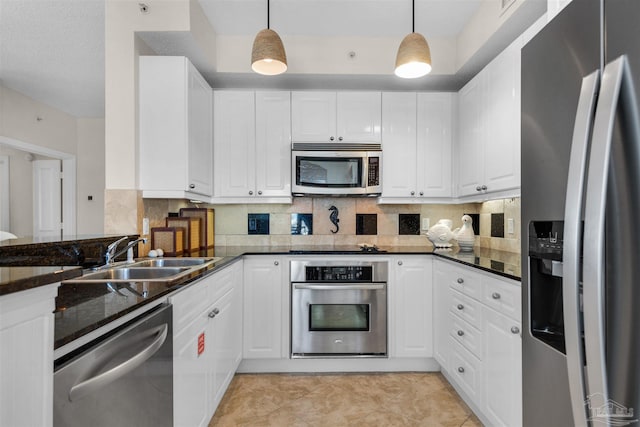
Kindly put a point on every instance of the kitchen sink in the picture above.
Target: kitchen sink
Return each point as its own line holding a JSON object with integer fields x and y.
{"x": 175, "y": 262}
{"x": 133, "y": 274}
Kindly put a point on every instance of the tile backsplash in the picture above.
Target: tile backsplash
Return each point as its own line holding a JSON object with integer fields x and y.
{"x": 360, "y": 221}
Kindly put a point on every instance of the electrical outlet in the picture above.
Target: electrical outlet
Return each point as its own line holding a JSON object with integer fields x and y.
{"x": 145, "y": 226}
{"x": 510, "y": 226}
{"x": 425, "y": 223}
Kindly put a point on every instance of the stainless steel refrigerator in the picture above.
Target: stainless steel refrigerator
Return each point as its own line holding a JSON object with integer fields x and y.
{"x": 581, "y": 217}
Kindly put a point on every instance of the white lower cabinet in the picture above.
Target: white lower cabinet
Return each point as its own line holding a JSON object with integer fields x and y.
{"x": 207, "y": 345}
{"x": 266, "y": 308}
{"x": 411, "y": 322}
{"x": 481, "y": 351}
{"x": 26, "y": 357}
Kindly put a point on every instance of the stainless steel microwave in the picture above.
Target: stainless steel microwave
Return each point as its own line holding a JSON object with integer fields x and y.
{"x": 336, "y": 169}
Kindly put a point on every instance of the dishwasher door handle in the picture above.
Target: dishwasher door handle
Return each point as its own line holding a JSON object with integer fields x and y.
{"x": 95, "y": 383}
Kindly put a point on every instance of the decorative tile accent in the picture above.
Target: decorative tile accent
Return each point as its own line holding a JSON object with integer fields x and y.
{"x": 302, "y": 223}
{"x": 367, "y": 224}
{"x": 476, "y": 223}
{"x": 497, "y": 225}
{"x": 258, "y": 223}
{"x": 408, "y": 224}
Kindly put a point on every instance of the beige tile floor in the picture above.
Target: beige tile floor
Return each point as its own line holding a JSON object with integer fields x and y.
{"x": 379, "y": 399}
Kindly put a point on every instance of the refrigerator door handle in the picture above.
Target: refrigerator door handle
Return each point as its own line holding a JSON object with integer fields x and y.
{"x": 616, "y": 90}
{"x": 573, "y": 243}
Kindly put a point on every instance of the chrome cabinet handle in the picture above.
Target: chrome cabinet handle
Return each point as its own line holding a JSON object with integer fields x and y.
{"x": 413, "y": 193}
{"x": 484, "y": 188}
{"x": 422, "y": 193}
{"x": 259, "y": 192}
{"x": 399, "y": 262}
{"x": 331, "y": 138}
{"x": 192, "y": 186}
{"x": 460, "y": 306}
{"x": 495, "y": 295}
{"x": 251, "y": 192}
{"x": 460, "y": 280}
{"x": 460, "y": 332}
{"x": 478, "y": 188}
{"x": 213, "y": 313}
{"x": 515, "y": 330}
{"x": 460, "y": 369}
{"x": 276, "y": 263}
{"x": 340, "y": 138}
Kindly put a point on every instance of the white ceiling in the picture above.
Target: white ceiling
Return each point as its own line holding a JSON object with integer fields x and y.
{"x": 53, "y": 50}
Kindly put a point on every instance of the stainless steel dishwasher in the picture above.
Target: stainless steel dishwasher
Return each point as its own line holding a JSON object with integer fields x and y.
{"x": 123, "y": 380}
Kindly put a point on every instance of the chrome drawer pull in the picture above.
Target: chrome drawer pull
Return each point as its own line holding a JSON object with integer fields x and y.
{"x": 515, "y": 330}
{"x": 460, "y": 332}
{"x": 495, "y": 295}
{"x": 460, "y": 280}
{"x": 461, "y": 369}
{"x": 460, "y": 306}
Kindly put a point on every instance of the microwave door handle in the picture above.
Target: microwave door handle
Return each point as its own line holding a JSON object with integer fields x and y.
{"x": 616, "y": 90}
{"x": 569, "y": 269}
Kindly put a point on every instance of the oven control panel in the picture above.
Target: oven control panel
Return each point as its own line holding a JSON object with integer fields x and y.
{"x": 334, "y": 273}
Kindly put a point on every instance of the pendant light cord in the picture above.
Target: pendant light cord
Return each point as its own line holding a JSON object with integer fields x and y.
{"x": 268, "y": 8}
{"x": 413, "y": 16}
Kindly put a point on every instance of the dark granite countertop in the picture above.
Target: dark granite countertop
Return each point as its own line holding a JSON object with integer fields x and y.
{"x": 81, "y": 309}
{"x": 16, "y": 279}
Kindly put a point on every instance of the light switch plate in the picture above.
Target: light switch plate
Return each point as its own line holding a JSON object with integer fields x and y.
{"x": 145, "y": 226}
{"x": 510, "y": 226}
{"x": 425, "y": 223}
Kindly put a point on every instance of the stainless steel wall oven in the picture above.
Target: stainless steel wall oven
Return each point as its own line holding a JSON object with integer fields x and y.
{"x": 339, "y": 308}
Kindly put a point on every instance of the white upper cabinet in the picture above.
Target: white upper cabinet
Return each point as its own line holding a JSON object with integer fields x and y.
{"x": 489, "y": 128}
{"x": 416, "y": 138}
{"x": 326, "y": 117}
{"x": 252, "y": 147}
{"x": 176, "y": 137}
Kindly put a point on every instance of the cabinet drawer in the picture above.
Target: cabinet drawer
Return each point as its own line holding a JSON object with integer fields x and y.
{"x": 466, "y": 308}
{"x": 503, "y": 296}
{"x": 465, "y": 370}
{"x": 467, "y": 282}
{"x": 467, "y": 335}
{"x": 221, "y": 282}
{"x": 188, "y": 303}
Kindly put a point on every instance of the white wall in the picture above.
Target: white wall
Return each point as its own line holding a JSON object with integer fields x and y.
{"x": 90, "y": 170}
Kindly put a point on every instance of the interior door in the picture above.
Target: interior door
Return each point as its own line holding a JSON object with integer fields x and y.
{"x": 47, "y": 198}
{"x": 5, "y": 223}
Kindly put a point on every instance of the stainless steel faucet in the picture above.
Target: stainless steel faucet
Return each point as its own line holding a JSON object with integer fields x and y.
{"x": 111, "y": 253}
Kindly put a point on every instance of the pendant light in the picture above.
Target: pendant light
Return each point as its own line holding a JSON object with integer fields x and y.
{"x": 268, "y": 56}
{"x": 414, "y": 56}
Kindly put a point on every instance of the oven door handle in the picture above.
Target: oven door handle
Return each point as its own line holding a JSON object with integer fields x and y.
{"x": 341, "y": 287}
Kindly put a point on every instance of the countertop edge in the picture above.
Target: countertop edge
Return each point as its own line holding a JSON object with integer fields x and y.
{"x": 41, "y": 279}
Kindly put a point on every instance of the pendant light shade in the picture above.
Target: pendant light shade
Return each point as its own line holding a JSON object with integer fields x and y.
{"x": 268, "y": 56}
{"x": 414, "y": 56}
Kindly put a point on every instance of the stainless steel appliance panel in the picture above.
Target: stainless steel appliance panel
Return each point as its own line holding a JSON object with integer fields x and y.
{"x": 553, "y": 66}
{"x": 125, "y": 380}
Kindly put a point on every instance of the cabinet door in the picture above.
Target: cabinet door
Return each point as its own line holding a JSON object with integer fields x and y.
{"x": 358, "y": 116}
{"x": 502, "y": 369}
{"x": 273, "y": 144}
{"x": 191, "y": 398}
{"x": 412, "y": 305}
{"x": 263, "y": 308}
{"x": 441, "y": 319}
{"x": 225, "y": 330}
{"x": 313, "y": 116}
{"x": 470, "y": 137}
{"x": 234, "y": 143}
{"x": 433, "y": 153}
{"x": 502, "y": 146}
{"x": 399, "y": 144}
{"x": 200, "y": 146}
